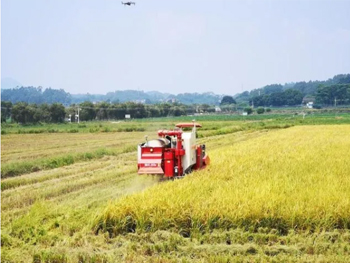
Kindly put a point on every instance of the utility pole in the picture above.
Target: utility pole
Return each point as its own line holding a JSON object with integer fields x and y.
{"x": 303, "y": 115}
{"x": 77, "y": 115}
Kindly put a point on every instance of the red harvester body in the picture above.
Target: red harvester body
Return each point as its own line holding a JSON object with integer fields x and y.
{"x": 173, "y": 154}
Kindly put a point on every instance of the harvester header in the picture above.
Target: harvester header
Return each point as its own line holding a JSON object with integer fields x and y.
{"x": 174, "y": 154}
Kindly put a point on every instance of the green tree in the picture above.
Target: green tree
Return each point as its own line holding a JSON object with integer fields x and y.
{"x": 103, "y": 111}
{"x": 20, "y": 112}
{"x": 43, "y": 114}
{"x": 87, "y": 112}
{"x": 204, "y": 107}
{"x": 269, "y": 89}
{"x": 57, "y": 112}
{"x": 164, "y": 109}
{"x": 260, "y": 110}
{"x": 153, "y": 111}
{"x": 277, "y": 99}
{"x": 5, "y": 110}
{"x": 119, "y": 111}
{"x": 262, "y": 100}
{"x": 136, "y": 110}
{"x": 56, "y": 96}
{"x": 248, "y": 110}
{"x": 227, "y": 100}
{"x": 292, "y": 97}
{"x": 177, "y": 111}
{"x": 329, "y": 95}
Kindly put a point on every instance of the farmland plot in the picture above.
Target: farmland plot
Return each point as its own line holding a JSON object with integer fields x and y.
{"x": 296, "y": 179}
{"x": 268, "y": 195}
{"x": 33, "y": 152}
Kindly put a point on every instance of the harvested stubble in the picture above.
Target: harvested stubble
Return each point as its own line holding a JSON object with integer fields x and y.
{"x": 23, "y": 154}
{"x": 289, "y": 179}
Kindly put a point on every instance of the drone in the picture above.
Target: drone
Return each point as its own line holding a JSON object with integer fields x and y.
{"x": 128, "y": 3}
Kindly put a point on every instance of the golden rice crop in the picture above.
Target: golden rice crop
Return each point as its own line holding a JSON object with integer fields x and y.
{"x": 295, "y": 178}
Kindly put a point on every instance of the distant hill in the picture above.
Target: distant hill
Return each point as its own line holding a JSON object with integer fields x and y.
{"x": 36, "y": 95}
{"x": 149, "y": 97}
{"x": 292, "y": 93}
{"x": 9, "y": 83}
{"x": 158, "y": 95}
{"x": 39, "y": 95}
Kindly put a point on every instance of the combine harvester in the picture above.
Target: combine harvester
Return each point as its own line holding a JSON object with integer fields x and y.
{"x": 174, "y": 154}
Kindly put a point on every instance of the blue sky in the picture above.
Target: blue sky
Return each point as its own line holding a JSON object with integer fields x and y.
{"x": 218, "y": 46}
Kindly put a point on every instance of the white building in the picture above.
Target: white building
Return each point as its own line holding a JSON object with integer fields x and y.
{"x": 217, "y": 109}
{"x": 310, "y": 105}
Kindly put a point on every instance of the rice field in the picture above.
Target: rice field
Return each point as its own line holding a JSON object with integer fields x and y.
{"x": 292, "y": 179}
{"x": 273, "y": 193}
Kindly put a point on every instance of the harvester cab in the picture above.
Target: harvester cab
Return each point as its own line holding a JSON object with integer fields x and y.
{"x": 174, "y": 154}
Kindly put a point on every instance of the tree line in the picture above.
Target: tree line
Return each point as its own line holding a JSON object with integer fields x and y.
{"x": 278, "y": 95}
{"x": 289, "y": 97}
{"x": 23, "y": 112}
{"x": 270, "y": 95}
{"x": 326, "y": 95}
{"x": 338, "y": 94}
{"x": 40, "y": 95}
